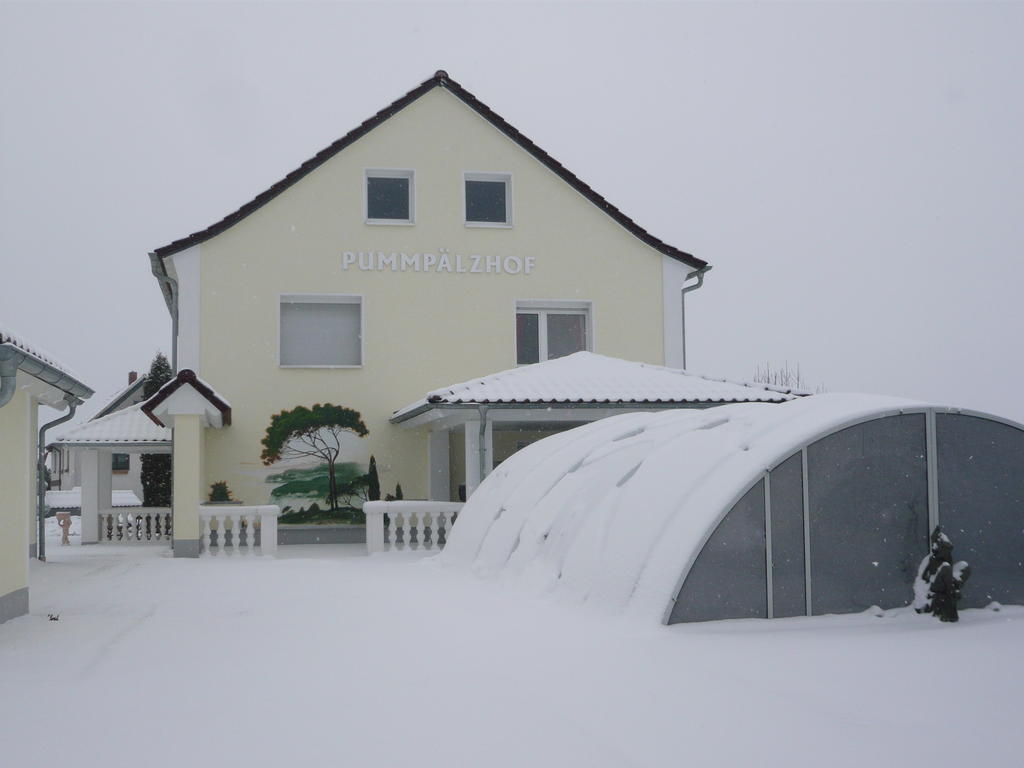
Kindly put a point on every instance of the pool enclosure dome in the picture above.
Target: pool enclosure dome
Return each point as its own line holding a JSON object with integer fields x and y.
{"x": 819, "y": 505}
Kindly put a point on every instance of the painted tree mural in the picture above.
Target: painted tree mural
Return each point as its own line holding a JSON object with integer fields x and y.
{"x": 313, "y": 433}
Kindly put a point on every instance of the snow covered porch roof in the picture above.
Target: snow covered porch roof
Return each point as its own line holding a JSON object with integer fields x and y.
{"x": 567, "y": 387}
{"x": 126, "y": 429}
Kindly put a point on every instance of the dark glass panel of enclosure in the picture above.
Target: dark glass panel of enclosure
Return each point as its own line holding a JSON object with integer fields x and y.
{"x": 527, "y": 338}
{"x": 728, "y": 579}
{"x": 787, "y": 517}
{"x": 485, "y": 202}
{"x": 868, "y": 494}
{"x": 387, "y": 198}
{"x": 981, "y": 504}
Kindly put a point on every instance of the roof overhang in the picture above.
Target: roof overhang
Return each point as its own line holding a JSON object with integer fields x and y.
{"x": 188, "y": 395}
{"x": 50, "y": 384}
{"x": 447, "y": 415}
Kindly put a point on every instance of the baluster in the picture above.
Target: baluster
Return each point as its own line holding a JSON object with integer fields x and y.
{"x": 236, "y": 533}
{"x": 441, "y": 537}
{"x": 168, "y": 524}
{"x": 428, "y": 534}
{"x": 206, "y": 534}
{"x": 389, "y": 526}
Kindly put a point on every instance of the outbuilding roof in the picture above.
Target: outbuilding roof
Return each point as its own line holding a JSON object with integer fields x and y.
{"x": 73, "y": 499}
{"x": 123, "y": 396}
{"x": 127, "y": 426}
{"x": 439, "y": 80}
{"x": 586, "y": 377}
{"x": 43, "y": 366}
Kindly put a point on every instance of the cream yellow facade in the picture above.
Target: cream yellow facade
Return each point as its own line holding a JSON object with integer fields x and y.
{"x": 17, "y": 496}
{"x": 421, "y": 329}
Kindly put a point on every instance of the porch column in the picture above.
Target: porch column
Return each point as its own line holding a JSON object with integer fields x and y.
{"x": 439, "y": 481}
{"x": 478, "y": 453}
{"x": 96, "y": 491}
{"x": 187, "y": 483}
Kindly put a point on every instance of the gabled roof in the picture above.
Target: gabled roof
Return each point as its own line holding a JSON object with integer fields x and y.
{"x": 439, "y": 80}
{"x": 187, "y": 376}
{"x": 129, "y": 426}
{"x": 118, "y": 400}
{"x": 588, "y": 378}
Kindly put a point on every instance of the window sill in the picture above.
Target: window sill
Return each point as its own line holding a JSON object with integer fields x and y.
{"x": 390, "y": 222}
{"x": 487, "y": 225}
{"x": 321, "y": 367}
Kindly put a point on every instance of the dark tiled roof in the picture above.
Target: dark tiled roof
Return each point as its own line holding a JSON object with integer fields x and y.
{"x": 187, "y": 376}
{"x": 439, "y": 80}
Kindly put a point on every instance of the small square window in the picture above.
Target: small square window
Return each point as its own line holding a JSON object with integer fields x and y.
{"x": 488, "y": 199}
{"x": 389, "y": 197}
{"x": 544, "y": 332}
{"x": 119, "y": 462}
{"x": 321, "y": 331}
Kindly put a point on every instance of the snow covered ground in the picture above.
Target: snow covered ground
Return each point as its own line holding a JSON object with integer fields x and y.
{"x": 325, "y": 657}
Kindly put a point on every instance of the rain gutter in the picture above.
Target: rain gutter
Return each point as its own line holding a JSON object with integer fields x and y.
{"x": 13, "y": 359}
{"x": 625, "y": 406}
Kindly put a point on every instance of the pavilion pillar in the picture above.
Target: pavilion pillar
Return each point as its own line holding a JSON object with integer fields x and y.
{"x": 96, "y": 491}
{"x": 187, "y": 483}
{"x": 479, "y": 454}
{"x": 439, "y": 481}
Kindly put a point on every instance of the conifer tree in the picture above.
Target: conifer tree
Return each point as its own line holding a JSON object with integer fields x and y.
{"x": 373, "y": 487}
{"x": 156, "y": 467}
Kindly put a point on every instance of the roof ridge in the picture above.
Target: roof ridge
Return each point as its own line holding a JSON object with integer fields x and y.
{"x": 443, "y": 80}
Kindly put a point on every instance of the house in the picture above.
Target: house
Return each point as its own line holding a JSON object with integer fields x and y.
{"x": 65, "y": 459}
{"x": 28, "y": 378}
{"x": 432, "y": 244}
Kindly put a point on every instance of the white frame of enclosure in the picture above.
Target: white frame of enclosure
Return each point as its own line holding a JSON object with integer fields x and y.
{"x": 931, "y": 451}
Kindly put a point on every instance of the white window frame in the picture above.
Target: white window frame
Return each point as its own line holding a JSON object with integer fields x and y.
{"x": 545, "y": 307}
{"x": 389, "y": 173}
{"x": 509, "y": 208}
{"x": 324, "y": 298}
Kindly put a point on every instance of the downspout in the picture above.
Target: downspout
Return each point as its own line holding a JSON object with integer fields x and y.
{"x": 171, "y": 287}
{"x": 699, "y": 274}
{"x": 73, "y": 403}
{"x": 482, "y": 446}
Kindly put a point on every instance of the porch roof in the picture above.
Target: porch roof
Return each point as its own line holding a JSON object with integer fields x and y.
{"x": 127, "y": 427}
{"x": 588, "y": 379}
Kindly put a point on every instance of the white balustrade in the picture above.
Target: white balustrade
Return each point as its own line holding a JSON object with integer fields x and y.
{"x": 133, "y": 525}
{"x": 397, "y": 525}
{"x": 229, "y": 529}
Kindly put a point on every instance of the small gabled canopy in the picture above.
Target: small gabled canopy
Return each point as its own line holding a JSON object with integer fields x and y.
{"x": 128, "y": 427}
{"x": 187, "y": 394}
{"x": 586, "y": 378}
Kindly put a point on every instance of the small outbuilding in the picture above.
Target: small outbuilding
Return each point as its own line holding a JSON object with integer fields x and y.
{"x": 819, "y": 505}
{"x": 28, "y": 377}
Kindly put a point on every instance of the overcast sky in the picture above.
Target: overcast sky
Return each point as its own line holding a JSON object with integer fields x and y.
{"x": 854, "y": 172}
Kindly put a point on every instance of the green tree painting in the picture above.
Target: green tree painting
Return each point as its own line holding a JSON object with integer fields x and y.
{"x": 315, "y": 433}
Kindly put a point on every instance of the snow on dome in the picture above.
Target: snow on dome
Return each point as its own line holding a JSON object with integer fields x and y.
{"x": 585, "y": 377}
{"x": 612, "y": 513}
{"x": 129, "y": 425}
